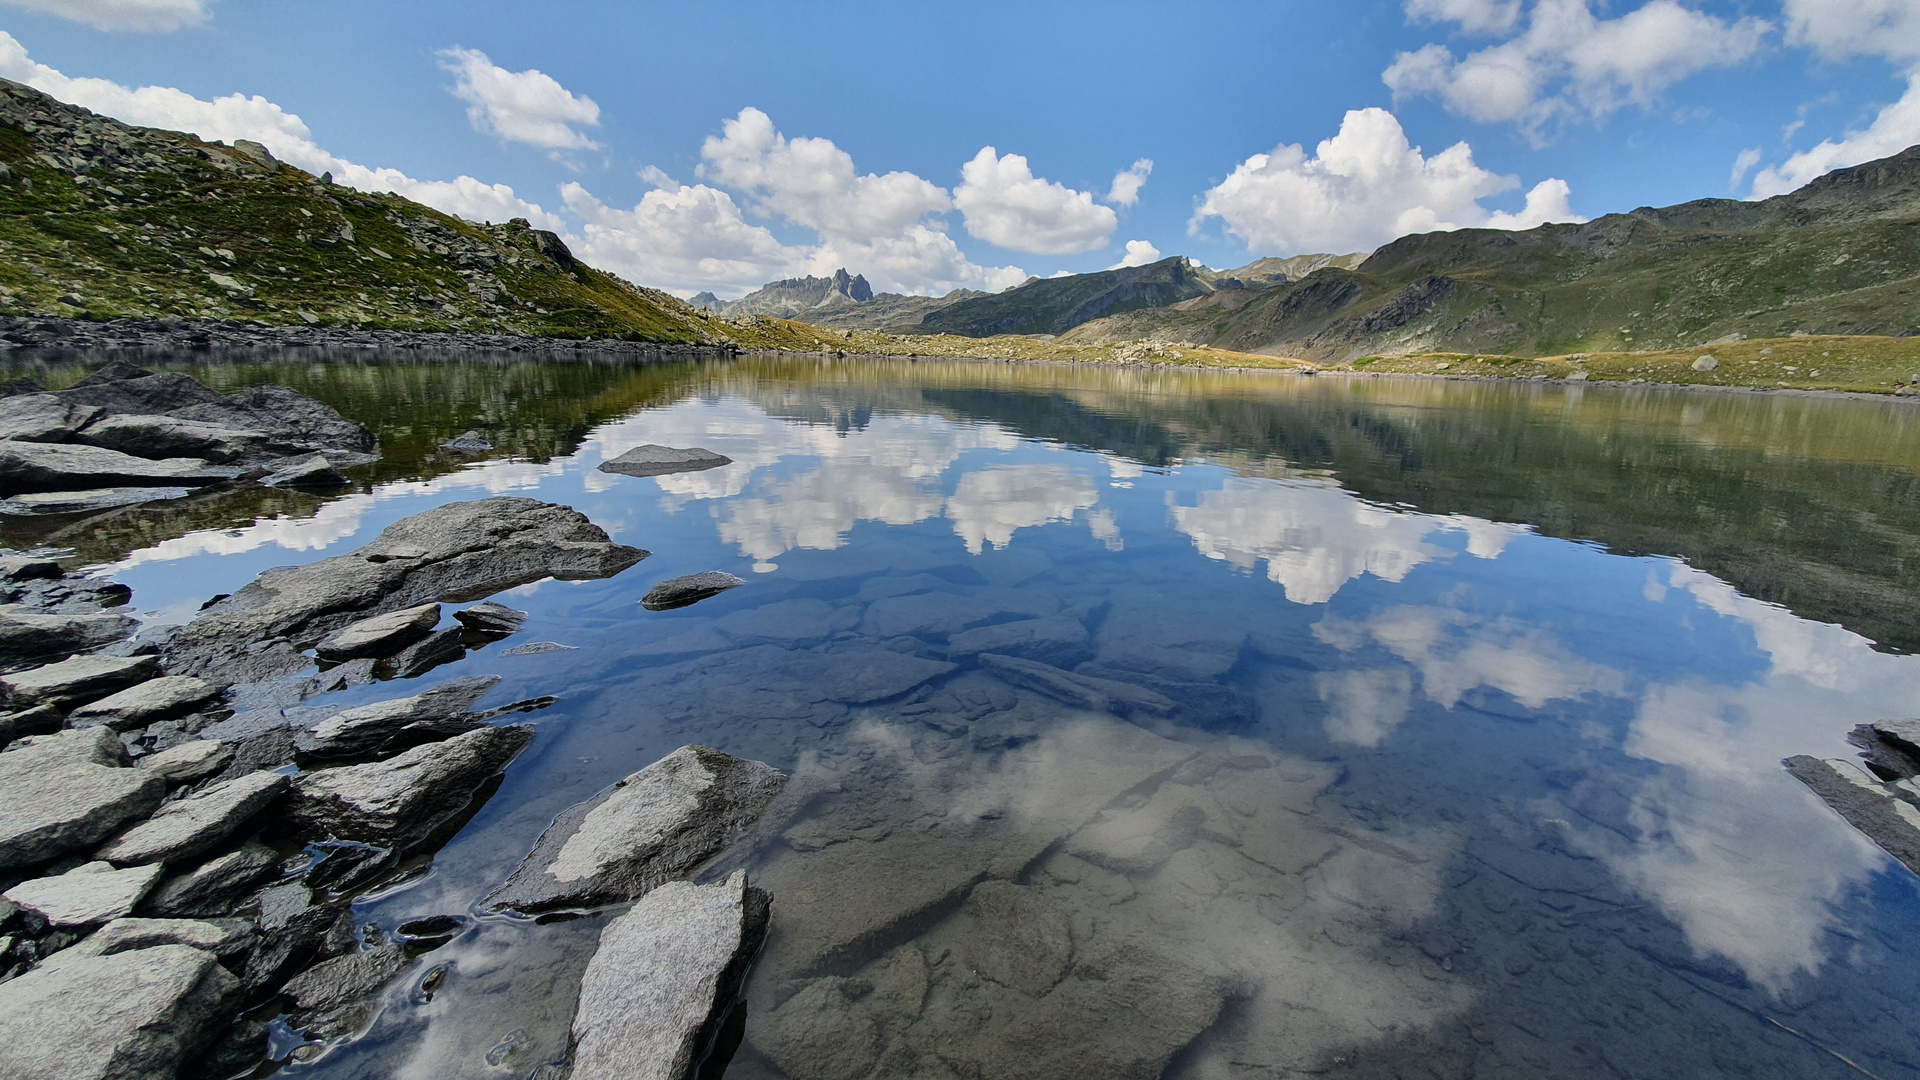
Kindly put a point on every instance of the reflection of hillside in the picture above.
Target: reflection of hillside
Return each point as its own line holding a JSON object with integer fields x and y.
{"x": 1807, "y": 502}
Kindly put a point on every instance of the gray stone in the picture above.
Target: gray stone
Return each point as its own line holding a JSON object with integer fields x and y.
{"x": 1057, "y": 641}
{"x": 452, "y": 552}
{"x": 291, "y": 421}
{"x": 127, "y": 1016}
{"x": 127, "y": 934}
{"x": 400, "y": 800}
{"x": 653, "y": 826}
{"x": 213, "y": 887}
{"x": 150, "y": 702}
{"x": 1171, "y": 646}
{"x": 311, "y": 470}
{"x": 27, "y": 568}
{"x": 442, "y": 647}
{"x": 1866, "y": 803}
{"x": 1904, "y": 734}
{"x": 28, "y": 635}
{"x": 186, "y": 827}
{"x": 692, "y": 588}
{"x": 184, "y": 763}
{"x": 1705, "y": 363}
{"x": 37, "y": 503}
{"x": 76, "y": 681}
{"x": 26, "y": 467}
{"x": 334, "y": 997}
{"x": 535, "y": 648}
{"x": 467, "y": 442}
{"x": 1102, "y": 695}
{"x": 171, "y": 436}
{"x": 39, "y": 720}
{"x": 42, "y": 418}
{"x": 87, "y": 895}
{"x": 439, "y": 713}
{"x": 381, "y": 635}
{"x": 652, "y": 460}
{"x": 666, "y": 974}
{"x": 68, "y": 791}
{"x": 491, "y": 618}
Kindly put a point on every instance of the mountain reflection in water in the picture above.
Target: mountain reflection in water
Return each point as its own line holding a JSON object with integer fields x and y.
{"x": 1385, "y": 727}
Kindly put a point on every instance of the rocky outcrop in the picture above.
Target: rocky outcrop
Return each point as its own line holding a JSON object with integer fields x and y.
{"x": 649, "y": 828}
{"x": 652, "y": 460}
{"x": 397, "y": 802}
{"x": 399, "y": 724}
{"x": 87, "y": 895}
{"x": 146, "y": 1012}
{"x": 379, "y": 636}
{"x": 690, "y": 589}
{"x": 190, "y": 826}
{"x": 76, "y": 681}
{"x": 67, "y": 792}
{"x": 657, "y": 994}
{"x": 147, "y": 703}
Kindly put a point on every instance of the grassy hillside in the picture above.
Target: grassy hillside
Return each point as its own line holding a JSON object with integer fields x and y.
{"x": 101, "y": 220}
{"x": 1055, "y": 305}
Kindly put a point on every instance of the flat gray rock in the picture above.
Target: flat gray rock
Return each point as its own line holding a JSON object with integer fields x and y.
{"x": 1056, "y": 640}
{"x": 400, "y": 800}
{"x": 336, "y": 997}
{"x": 188, "y": 761}
{"x": 440, "y": 713}
{"x": 26, "y": 634}
{"x": 126, "y": 1016}
{"x": 186, "y": 827}
{"x": 1866, "y": 803}
{"x": 42, "y": 418}
{"x": 125, "y": 935}
{"x": 379, "y": 636}
{"x": 149, "y": 702}
{"x": 87, "y": 895}
{"x": 651, "y": 827}
{"x": 437, "y": 648}
{"x": 67, "y": 792}
{"x": 289, "y": 421}
{"x": 652, "y": 460}
{"x": 213, "y": 887}
{"x": 26, "y": 467}
{"x": 309, "y": 470}
{"x": 491, "y": 618}
{"x": 467, "y": 442}
{"x": 693, "y": 588}
{"x": 39, "y": 503}
{"x": 454, "y": 552}
{"x": 1100, "y": 695}
{"x": 148, "y": 436}
{"x": 666, "y": 974}
{"x": 1904, "y": 734}
{"x": 76, "y": 681}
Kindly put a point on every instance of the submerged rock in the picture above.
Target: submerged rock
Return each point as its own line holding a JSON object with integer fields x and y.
{"x": 335, "y": 997}
{"x": 69, "y": 791}
{"x": 491, "y": 618}
{"x": 186, "y": 827}
{"x": 439, "y": 713}
{"x": 126, "y": 1016}
{"x": 1058, "y": 641}
{"x": 28, "y": 467}
{"x": 1874, "y": 808}
{"x": 401, "y": 800}
{"x": 149, "y": 702}
{"x": 653, "y": 826}
{"x": 87, "y": 895}
{"x": 657, "y": 993}
{"x": 379, "y": 636}
{"x": 652, "y": 460}
{"x": 76, "y": 681}
{"x": 1085, "y": 691}
{"x": 681, "y": 591}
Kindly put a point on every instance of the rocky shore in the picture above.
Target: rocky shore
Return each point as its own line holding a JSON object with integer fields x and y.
{"x": 23, "y": 333}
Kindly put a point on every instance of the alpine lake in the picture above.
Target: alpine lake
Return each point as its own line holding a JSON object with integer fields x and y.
{"x": 1418, "y": 728}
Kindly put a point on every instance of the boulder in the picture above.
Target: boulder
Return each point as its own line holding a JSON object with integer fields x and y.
{"x": 40, "y": 503}
{"x": 441, "y": 647}
{"x": 187, "y": 762}
{"x": 1868, "y": 805}
{"x": 452, "y": 552}
{"x": 491, "y": 618}
{"x": 26, "y": 467}
{"x": 651, "y": 827}
{"x": 148, "y": 703}
{"x": 76, "y": 681}
{"x": 87, "y": 895}
{"x": 26, "y": 634}
{"x": 171, "y": 436}
{"x": 1058, "y": 641}
{"x": 335, "y": 997}
{"x": 657, "y": 993}
{"x": 289, "y": 420}
{"x": 383, "y": 726}
{"x": 42, "y": 417}
{"x": 379, "y": 636}
{"x": 125, "y": 1016}
{"x": 401, "y": 800}
{"x": 309, "y": 471}
{"x": 69, "y": 791}
{"x": 651, "y": 460}
{"x": 215, "y": 886}
{"x": 186, "y": 827}
{"x": 693, "y": 588}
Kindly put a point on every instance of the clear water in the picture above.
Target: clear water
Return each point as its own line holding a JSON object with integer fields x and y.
{"x": 1471, "y": 767}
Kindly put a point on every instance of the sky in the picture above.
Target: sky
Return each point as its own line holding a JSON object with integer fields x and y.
{"x": 718, "y": 146}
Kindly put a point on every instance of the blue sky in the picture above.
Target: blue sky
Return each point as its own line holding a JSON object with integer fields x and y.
{"x": 717, "y": 146}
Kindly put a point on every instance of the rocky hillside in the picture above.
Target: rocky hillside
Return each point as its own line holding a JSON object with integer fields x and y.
{"x": 102, "y": 220}
{"x": 1056, "y": 305}
{"x": 796, "y": 297}
{"x": 1839, "y": 256}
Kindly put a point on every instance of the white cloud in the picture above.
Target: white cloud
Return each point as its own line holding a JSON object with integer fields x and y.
{"x": 1127, "y": 183}
{"x": 238, "y": 116}
{"x": 1363, "y": 187}
{"x": 692, "y": 236}
{"x": 1139, "y": 253}
{"x": 1005, "y": 204}
{"x": 520, "y": 106}
{"x": 1742, "y": 165}
{"x": 162, "y": 16}
{"x": 1569, "y": 62}
{"x": 1474, "y": 16}
{"x": 989, "y": 505}
{"x": 1895, "y": 128}
{"x": 1842, "y": 28}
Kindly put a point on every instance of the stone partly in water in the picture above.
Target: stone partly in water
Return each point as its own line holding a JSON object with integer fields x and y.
{"x": 30, "y": 635}
{"x": 452, "y": 552}
{"x": 399, "y": 724}
{"x": 87, "y": 895}
{"x": 652, "y": 460}
{"x": 148, "y": 703}
{"x": 402, "y": 800}
{"x": 491, "y": 618}
{"x": 169, "y": 436}
{"x": 649, "y": 828}
{"x": 334, "y": 997}
{"x": 28, "y": 467}
{"x": 1868, "y": 805}
{"x": 187, "y": 827}
{"x": 379, "y": 636}
{"x": 213, "y": 887}
{"x": 40, "y": 503}
{"x": 308, "y": 471}
{"x": 692, "y": 588}
{"x": 273, "y": 421}
{"x": 67, "y": 792}
{"x": 127, "y": 1016}
{"x": 656, "y": 996}
{"x": 76, "y": 681}
{"x": 467, "y": 442}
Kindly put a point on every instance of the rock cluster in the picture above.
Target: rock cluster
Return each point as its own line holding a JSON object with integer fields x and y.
{"x": 163, "y": 336}
{"x": 1881, "y": 797}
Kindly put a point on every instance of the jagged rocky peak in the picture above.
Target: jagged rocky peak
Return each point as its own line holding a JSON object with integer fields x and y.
{"x": 792, "y": 297}
{"x": 706, "y": 301}
{"x": 853, "y": 288}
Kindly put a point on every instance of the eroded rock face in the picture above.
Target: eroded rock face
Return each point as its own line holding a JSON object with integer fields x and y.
{"x": 452, "y": 552}
{"x": 652, "y": 460}
{"x": 667, "y": 973}
{"x": 399, "y": 801}
{"x": 146, "y": 1013}
{"x": 67, "y": 792}
{"x": 651, "y": 827}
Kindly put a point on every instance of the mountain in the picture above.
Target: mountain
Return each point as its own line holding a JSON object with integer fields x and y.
{"x": 797, "y": 297}
{"x": 102, "y": 220}
{"x": 1056, "y": 305}
{"x": 1839, "y": 256}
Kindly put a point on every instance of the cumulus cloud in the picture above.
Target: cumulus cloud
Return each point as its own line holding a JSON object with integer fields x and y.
{"x": 1364, "y": 187}
{"x": 238, "y": 116}
{"x": 1004, "y": 204}
{"x": 1139, "y": 253}
{"x": 1127, "y": 183}
{"x": 520, "y": 106}
{"x": 160, "y": 16}
{"x": 1896, "y": 127}
{"x": 1474, "y": 16}
{"x": 1568, "y": 62}
{"x": 693, "y": 236}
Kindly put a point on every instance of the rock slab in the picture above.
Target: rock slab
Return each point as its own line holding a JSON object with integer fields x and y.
{"x": 400, "y": 800}
{"x": 77, "y": 680}
{"x": 403, "y": 722}
{"x": 87, "y": 895}
{"x": 690, "y": 589}
{"x": 186, "y": 827}
{"x": 379, "y": 636}
{"x": 1866, "y": 803}
{"x": 654, "y": 460}
{"x": 150, "y": 702}
{"x": 137, "y": 1014}
{"x": 649, "y": 828}
{"x": 69, "y": 791}
{"x": 667, "y": 973}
